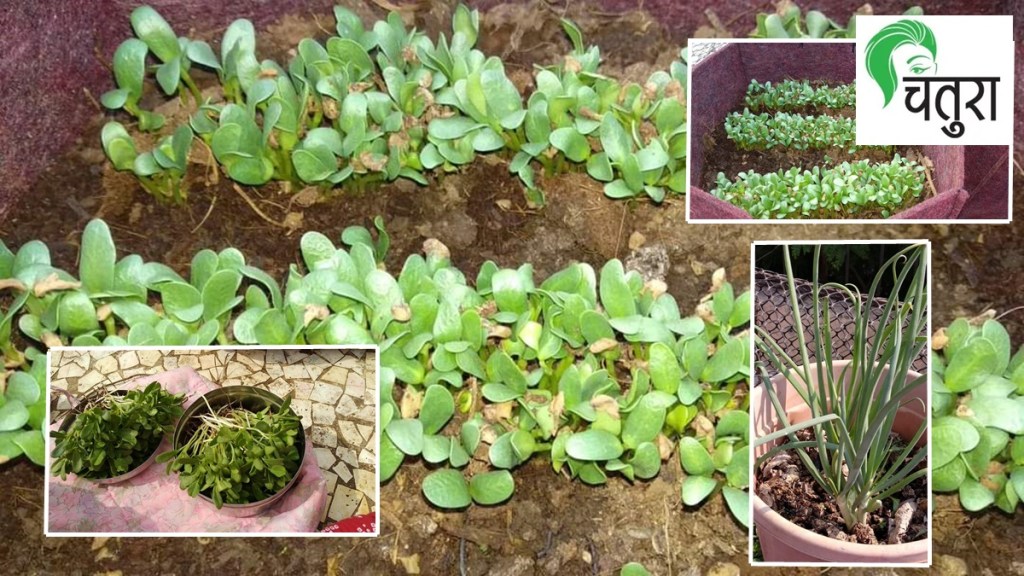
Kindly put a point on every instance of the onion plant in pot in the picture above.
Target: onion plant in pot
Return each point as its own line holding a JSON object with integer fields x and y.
{"x": 239, "y": 448}
{"x": 857, "y": 426}
{"x": 112, "y": 435}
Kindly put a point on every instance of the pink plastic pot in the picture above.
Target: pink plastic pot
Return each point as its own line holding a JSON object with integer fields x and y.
{"x": 783, "y": 541}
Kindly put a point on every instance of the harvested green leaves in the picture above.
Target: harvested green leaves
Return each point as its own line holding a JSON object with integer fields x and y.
{"x": 237, "y": 456}
{"x": 115, "y": 433}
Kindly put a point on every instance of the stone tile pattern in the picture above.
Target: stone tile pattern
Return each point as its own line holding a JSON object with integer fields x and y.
{"x": 335, "y": 395}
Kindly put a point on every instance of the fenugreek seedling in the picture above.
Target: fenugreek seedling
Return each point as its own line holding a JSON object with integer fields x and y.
{"x": 24, "y": 402}
{"x": 161, "y": 171}
{"x": 130, "y": 75}
{"x": 634, "y": 569}
{"x": 846, "y": 189}
{"x": 796, "y": 94}
{"x": 176, "y": 55}
{"x": 789, "y": 22}
{"x": 978, "y": 414}
{"x": 113, "y": 433}
{"x": 154, "y": 36}
{"x": 795, "y": 131}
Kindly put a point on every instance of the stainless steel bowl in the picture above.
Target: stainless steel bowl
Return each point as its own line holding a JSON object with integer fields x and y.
{"x": 69, "y": 420}
{"x": 250, "y": 398}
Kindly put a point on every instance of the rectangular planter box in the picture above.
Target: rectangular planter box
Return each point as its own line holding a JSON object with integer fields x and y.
{"x": 972, "y": 181}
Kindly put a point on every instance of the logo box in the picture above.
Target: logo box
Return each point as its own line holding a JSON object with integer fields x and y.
{"x": 935, "y": 80}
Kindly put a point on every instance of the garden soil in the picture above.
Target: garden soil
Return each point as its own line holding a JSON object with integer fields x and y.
{"x": 551, "y": 525}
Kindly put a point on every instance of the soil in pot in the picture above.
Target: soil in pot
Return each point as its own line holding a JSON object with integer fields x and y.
{"x": 784, "y": 483}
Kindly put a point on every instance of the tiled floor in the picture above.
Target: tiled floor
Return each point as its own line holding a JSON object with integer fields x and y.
{"x": 335, "y": 394}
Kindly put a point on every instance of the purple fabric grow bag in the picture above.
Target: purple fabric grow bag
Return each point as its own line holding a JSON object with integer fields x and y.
{"x": 970, "y": 181}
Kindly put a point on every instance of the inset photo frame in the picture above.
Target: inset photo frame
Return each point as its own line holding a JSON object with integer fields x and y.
{"x": 772, "y": 128}
{"x": 212, "y": 441}
{"x": 840, "y": 428}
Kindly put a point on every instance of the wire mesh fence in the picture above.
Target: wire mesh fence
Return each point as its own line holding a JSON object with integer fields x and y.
{"x": 773, "y": 314}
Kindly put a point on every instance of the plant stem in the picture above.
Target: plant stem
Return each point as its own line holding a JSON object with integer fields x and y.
{"x": 187, "y": 79}
{"x": 178, "y": 192}
{"x": 546, "y": 163}
{"x": 110, "y": 325}
{"x": 149, "y": 186}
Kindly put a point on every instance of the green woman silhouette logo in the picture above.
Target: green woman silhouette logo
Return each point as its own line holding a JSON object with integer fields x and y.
{"x": 902, "y": 48}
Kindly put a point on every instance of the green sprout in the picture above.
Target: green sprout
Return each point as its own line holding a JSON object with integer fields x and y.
{"x": 161, "y": 171}
{"x": 789, "y": 22}
{"x": 846, "y": 189}
{"x": 978, "y": 415}
{"x": 154, "y": 36}
{"x": 852, "y": 414}
{"x": 796, "y": 94}
{"x": 795, "y": 131}
{"x": 24, "y": 399}
{"x": 240, "y": 68}
{"x": 175, "y": 54}
{"x": 130, "y": 74}
{"x": 634, "y": 569}
{"x": 241, "y": 146}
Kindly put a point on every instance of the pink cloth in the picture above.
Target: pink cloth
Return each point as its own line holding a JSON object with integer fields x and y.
{"x": 153, "y": 502}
